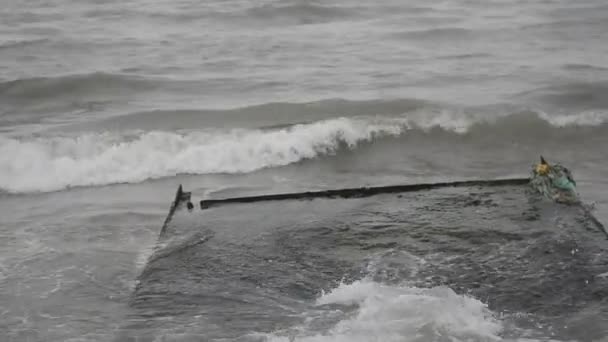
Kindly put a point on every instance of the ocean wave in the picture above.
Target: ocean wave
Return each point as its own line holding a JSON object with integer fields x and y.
{"x": 21, "y": 43}
{"x": 54, "y": 163}
{"x": 401, "y": 313}
{"x": 75, "y": 85}
{"x": 437, "y": 33}
{"x": 58, "y": 162}
{"x": 300, "y": 12}
{"x": 268, "y": 115}
{"x": 584, "y": 67}
{"x": 571, "y": 95}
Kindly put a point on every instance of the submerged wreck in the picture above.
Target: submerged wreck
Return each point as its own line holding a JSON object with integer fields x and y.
{"x": 552, "y": 182}
{"x": 505, "y": 241}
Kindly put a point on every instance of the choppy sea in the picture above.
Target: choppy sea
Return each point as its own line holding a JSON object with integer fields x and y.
{"x": 107, "y": 106}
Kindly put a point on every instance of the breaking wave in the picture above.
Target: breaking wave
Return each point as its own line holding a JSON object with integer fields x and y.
{"x": 400, "y": 313}
{"x": 52, "y": 163}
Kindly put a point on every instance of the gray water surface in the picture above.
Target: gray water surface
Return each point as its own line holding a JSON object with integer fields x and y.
{"x": 106, "y": 106}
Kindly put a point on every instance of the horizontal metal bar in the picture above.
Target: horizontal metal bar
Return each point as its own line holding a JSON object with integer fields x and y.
{"x": 361, "y": 192}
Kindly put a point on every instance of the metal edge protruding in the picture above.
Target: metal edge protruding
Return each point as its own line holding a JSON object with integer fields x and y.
{"x": 180, "y": 197}
{"x": 361, "y": 192}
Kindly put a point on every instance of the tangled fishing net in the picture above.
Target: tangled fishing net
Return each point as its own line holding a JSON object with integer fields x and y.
{"x": 554, "y": 182}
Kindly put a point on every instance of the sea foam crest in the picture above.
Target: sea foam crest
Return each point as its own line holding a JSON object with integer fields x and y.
{"x": 54, "y": 163}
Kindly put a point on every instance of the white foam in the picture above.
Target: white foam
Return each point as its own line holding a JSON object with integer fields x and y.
{"x": 401, "y": 313}
{"x": 54, "y": 163}
{"x": 58, "y": 162}
{"x": 452, "y": 121}
{"x": 586, "y": 118}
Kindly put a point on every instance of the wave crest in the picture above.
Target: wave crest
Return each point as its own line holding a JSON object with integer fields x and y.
{"x": 54, "y": 163}
{"x": 58, "y": 162}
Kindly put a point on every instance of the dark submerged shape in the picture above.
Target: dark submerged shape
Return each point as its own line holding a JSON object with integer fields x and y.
{"x": 539, "y": 264}
{"x": 363, "y": 192}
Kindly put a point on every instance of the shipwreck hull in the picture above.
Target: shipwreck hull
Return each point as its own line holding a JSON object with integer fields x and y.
{"x": 256, "y": 264}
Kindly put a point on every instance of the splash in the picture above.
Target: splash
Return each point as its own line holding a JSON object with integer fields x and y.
{"x": 402, "y": 313}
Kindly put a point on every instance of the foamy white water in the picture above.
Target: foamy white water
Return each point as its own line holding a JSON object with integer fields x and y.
{"x": 402, "y": 313}
{"x": 89, "y": 159}
{"x": 46, "y": 164}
